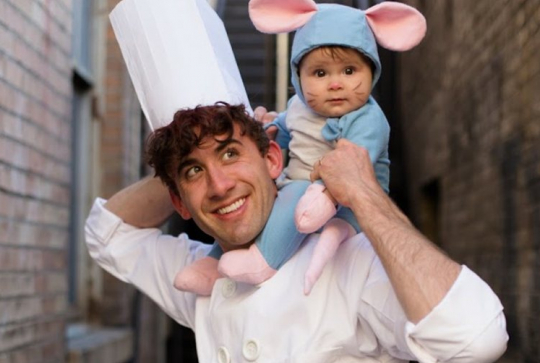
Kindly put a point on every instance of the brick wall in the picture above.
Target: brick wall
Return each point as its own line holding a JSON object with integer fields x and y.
{"x": 122, "y": 131}
{"x": 469, "y": 101}
{"x": 120, "y": 161}
{"x": 35, "y": 137}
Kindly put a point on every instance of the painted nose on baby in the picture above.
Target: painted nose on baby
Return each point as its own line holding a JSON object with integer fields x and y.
{"x": 334, "y": 85}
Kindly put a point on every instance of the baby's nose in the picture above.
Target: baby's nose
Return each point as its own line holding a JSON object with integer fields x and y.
{"x": 334, "y": 85}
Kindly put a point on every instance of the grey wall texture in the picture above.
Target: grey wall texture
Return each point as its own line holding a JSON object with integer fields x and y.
{"x": 469, "y": 108}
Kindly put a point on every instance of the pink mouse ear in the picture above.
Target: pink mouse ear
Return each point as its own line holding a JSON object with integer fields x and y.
{"x": 280, "y": 16}
{"x": 396, "y": 26}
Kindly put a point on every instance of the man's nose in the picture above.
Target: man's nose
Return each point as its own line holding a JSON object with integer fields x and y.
{"x": 219, "y": 182}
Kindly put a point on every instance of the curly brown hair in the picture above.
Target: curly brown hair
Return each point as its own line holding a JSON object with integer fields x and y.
{"x": 167, "y": 146}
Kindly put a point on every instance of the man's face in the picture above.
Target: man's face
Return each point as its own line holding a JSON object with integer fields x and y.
{"x": 228, "y": 188}
{"x": 335, "y": 86}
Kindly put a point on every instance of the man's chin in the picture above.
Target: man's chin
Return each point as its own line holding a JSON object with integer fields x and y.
{"x": 236, "y": 242}
{"x": 241, "y": 246}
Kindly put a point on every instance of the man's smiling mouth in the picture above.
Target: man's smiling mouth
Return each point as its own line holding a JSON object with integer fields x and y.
{"x": 231, "y": 208}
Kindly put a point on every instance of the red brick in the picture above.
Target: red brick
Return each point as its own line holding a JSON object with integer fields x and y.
{"x": 33, "y": 211}
{"x": 29, "y": 260}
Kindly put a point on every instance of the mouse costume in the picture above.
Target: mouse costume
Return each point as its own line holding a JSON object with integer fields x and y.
{"x": 308, "y": 136}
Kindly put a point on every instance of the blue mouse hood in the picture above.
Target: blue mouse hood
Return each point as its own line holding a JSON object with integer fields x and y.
{"x": 338, "y": 25}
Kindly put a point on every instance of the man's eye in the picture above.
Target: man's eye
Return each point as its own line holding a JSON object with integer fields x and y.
{"x": 319, "y": 73}
{"x": 349, "y": 71}
{"x": 229, "y": 154}
{"x": 191, "y": 172}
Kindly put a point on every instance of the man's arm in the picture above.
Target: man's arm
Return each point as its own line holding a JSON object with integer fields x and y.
{"x": 143, "y": 204}
{"x": 143, "y": 257}
{"x": 420, "y": 273}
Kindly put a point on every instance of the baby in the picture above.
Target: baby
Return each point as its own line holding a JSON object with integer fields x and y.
{"x": 335, "y": 66}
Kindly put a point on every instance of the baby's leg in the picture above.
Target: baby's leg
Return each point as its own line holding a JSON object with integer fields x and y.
{"x": 246, "y": 265}
{"x": 315, "y": 208}
{"x": 278, "y": 241}
{"x": 334, "y": 233}
{"x": 200, "y": 276}
{"x": 329, "y": 196}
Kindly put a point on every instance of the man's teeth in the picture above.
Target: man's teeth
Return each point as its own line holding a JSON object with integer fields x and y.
{"x": 232, "y": 207}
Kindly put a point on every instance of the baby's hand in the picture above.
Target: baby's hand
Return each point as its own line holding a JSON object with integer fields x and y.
{"x": 262, "y": 115}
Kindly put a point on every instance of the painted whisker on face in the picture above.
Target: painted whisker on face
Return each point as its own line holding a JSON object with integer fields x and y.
{"x": 357, "y": 86}
{"x": 334, "y": 86}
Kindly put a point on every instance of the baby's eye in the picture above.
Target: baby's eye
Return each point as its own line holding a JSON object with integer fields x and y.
{"x": 192, "y": 171}
{"x": 319, "y": 73}
{"x": 349, "y": 70}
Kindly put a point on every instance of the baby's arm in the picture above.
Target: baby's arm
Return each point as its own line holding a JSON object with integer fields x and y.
{"x": 282, "y": 134}
{"x": 368, "y": 128}
{"x": 275, "y": 124}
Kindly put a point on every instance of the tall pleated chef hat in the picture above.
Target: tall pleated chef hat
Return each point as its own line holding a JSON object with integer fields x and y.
{"x": 178, "y": 56}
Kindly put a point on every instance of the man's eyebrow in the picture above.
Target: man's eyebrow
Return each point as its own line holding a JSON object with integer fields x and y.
{"x": 226, "y": 143}
{"x": 184, "y": 163}
{"x": 187, "y": 161}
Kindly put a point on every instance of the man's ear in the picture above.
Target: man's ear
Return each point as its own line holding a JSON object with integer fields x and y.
{"x": 179, "y": 205}
{"x": 274, "y": 160}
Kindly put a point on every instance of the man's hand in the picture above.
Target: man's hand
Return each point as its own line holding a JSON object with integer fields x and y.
{"x": 346, "y": 171}
{"x": 261, "y": 114}
{"x": 420, "y": 273}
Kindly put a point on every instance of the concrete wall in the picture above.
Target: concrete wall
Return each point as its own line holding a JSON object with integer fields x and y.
{"x": 469, "y": 102}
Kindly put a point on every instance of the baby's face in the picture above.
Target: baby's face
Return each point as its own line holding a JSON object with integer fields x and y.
{"x": 335, "y": 84}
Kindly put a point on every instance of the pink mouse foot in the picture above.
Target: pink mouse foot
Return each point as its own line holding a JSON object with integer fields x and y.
{"x": 314, "y": 209}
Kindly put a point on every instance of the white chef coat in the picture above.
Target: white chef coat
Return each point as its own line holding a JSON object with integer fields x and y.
{"x": 352, "y": 314}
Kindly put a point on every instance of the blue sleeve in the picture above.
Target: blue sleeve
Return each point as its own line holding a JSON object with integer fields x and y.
{"x": 366, "y": 127}
{"x": 283, "y": 137}
{"x": 216, "y": 251}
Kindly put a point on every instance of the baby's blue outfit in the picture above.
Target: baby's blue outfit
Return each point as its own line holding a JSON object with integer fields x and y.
{"x": 367, "y": 126}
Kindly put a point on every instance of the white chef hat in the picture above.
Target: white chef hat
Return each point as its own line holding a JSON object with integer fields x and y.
{"x": 178, "y": 56}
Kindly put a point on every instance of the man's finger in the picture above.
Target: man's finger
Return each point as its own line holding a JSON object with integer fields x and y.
{"x": 315, "y": 175}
